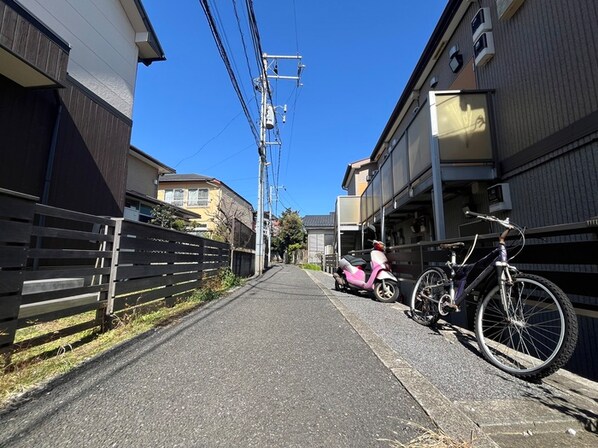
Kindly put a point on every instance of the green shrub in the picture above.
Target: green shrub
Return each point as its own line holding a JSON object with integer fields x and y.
{"x": 228, "y": 278}
{"x": 204, "y": 295}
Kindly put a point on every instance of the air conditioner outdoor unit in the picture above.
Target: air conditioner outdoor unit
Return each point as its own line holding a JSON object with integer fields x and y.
{"x": 499, "y": 198}
{"x": 483, "y": 48}
{"x": 481, "y": 23}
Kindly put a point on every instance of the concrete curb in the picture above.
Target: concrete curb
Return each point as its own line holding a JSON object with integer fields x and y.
{"x": 450, "y": 419}
{"x": 565, "y": 415}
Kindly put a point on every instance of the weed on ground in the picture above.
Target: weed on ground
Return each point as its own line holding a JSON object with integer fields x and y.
{"x": 31, "y": 367}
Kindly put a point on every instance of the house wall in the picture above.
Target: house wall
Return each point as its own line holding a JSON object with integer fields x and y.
{"x": 141, "y": 177}
{"x": 104, "y": 55}
{"x": 35, "y": 46}
{"x": 545, "y": 73}
{"x": 90, "y": 168}
{"x": 205, "y": 212}
{"x": 545, "y": 107}
{"x": 231, "y": 202}
{"x": 23, "y": 154}
{"x": 317, "y": 240}
{"x": 89, "y": 117}
{"x": 242, "y": 210}
{"x": 85, "y": 176}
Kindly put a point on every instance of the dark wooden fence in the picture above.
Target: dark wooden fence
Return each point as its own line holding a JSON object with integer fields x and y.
{"x": 68, "y": 270}
{"x": 151, "y": 263}
{"x": 565, "y": 254}
{"x": 56, "y": 263}
{"x": 16, "y": 220}
{"x": 330, "y": 263}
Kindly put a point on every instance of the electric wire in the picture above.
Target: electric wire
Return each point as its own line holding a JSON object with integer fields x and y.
{"x": 257, "y": 44}
{"x": 210, "y": 140}
{"x": 227, "y": 64}
{"x": 290, "y": 145}
{"x": 251, "y": 145}
{"x": 245, "y": 52}
{"x": 296, "y": 29}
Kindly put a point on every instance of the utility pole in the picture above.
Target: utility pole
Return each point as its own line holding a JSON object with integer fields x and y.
{"x": 267, "y": 122}
{"x": 272, "y": 188}
{"x": 259, "y": 228}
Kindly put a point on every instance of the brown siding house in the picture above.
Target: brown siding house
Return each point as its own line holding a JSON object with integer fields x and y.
{"x": 61, "y": 138}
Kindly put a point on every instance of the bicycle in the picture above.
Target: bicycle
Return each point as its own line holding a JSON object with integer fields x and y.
{"x": 524, "y": 324}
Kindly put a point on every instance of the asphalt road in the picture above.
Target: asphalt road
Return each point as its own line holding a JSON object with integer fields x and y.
{"x": 274, "y": 364}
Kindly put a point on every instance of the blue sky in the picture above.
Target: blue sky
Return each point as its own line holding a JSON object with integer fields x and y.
{"x": 358, "y": 56}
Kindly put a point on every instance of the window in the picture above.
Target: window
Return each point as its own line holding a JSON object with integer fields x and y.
{"x": 198, "y": 197}
{"x": 174, "y": 197}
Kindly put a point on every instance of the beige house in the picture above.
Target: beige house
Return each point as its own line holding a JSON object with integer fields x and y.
{"x": 143, "y": 173}
{"x": 218, "y": 204}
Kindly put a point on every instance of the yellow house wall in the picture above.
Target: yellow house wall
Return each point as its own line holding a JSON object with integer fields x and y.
{"x": 206, "y": 212}
{"x": 216, "y": 194}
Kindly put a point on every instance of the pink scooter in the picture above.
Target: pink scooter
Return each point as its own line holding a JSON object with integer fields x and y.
{"x": 352, "y": 274}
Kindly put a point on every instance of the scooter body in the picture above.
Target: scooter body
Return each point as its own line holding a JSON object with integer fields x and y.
{"x": 352, "y": 274}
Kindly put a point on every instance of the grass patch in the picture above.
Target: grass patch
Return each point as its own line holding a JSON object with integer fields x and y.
{"x": 431, "y": 439}
{"x": 33, "y": 366}
{"x": 311, "y": 266}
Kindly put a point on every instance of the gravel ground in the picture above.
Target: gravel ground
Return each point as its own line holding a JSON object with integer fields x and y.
{"x": 453, "y": 367}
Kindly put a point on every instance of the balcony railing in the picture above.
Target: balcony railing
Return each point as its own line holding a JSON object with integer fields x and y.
{"x": 452, "y": 130}
{"x": 348, "y": 210}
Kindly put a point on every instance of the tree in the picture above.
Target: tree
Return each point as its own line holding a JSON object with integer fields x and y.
{"x": 227, "y": 215}
{"x": 291, "y": 233}
{"x": 165, "y": 216}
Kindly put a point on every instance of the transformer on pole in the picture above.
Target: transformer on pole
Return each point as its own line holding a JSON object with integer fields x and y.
{"x": 267, "y": 121}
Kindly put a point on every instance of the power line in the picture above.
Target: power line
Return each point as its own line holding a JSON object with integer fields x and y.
{"x": 245, "y": 52}
{"x": 251, "y": 145}
{"x": 257, "y": 44}
{"x": 298, "y": 92}
{"x": 296, "y": 31}
{"x": 210, "y": 140}
{"x": 227, "y": 64}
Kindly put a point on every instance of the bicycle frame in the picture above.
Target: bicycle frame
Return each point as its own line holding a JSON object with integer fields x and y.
{"x": 500, "y": 265}
{"x": 524, "y": 324}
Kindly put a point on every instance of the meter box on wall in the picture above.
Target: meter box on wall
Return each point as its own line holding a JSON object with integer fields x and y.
{"x": 499, "y": 198}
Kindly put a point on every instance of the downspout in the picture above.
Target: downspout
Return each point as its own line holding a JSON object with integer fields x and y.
{"x": 52, "y": 154}
{"x": 49, "y": 169}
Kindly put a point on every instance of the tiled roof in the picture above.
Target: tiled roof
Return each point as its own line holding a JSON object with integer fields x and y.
{"x": 183, "y": 177}
{"x": 319, "y": 221}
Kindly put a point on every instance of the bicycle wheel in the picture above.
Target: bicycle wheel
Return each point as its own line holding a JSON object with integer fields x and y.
{"x": 426, "y": 294}
{"x": 535, "y": 336}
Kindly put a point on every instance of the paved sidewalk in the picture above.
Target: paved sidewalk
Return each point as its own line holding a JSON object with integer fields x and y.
{"x": 272, "y": 365}
{"x": 443, "y": 370}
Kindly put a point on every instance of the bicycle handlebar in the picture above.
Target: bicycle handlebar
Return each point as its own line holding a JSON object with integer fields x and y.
{"x": 490, "y": 218}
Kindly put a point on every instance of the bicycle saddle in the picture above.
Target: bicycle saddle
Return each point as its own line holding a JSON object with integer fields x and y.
{"x": 450, "y": 246}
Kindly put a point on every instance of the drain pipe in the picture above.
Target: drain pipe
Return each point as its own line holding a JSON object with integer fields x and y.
{"x": 48, "y": 178}
{"x": 52, "y": 154}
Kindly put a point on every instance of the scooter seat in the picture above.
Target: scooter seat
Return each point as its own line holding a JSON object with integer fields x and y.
{"x": 355, "y": 261}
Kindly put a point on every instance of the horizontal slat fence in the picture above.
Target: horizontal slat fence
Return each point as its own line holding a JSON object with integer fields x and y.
{"x": 152, "y": 263}
{"x": 330, "y": 263}
{"x": 564, "y": 254}
{"x": 16, "y": 220}
{"x": 57, "y": 263}
{"x": 67, "y": 273}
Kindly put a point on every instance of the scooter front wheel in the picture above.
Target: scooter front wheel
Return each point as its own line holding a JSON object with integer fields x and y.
{"x": 386, "y": 291}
